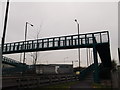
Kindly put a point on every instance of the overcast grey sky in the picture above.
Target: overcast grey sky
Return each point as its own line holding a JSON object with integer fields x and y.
{"x": 56, "y": 19}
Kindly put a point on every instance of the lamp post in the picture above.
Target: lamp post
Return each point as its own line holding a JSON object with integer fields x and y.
{"x": 5, "y": 26}
{"x": 3, "y": 41}
{"x": 91, "y": 57}
{"x": 78, "y": 42}
{"x": 26, "y": 37}
{"x": 87, "y": 55}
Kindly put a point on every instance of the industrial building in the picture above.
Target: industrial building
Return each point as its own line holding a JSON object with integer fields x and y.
{"x": 52, "y": 68}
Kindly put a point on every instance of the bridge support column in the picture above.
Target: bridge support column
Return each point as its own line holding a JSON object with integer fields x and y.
{"x": 96, "y": 69}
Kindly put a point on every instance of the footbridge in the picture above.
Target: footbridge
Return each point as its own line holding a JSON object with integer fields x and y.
{"x": 99, "y": 41}
{"x": 12, "y": 62}
{"x": 16, "y": 66}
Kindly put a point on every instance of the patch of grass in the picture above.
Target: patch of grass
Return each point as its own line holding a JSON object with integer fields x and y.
{"x": 60, "y": 86}
{"x": 96, "y": 85}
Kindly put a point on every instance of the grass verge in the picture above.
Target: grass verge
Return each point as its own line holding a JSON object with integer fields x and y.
{"x": 61, "y": 86}
{"x": 96, "y": 85}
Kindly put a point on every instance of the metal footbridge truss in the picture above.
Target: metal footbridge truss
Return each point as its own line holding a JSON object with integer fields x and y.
{"x": 99, "y": 41}
{"x": 53, "y": 43}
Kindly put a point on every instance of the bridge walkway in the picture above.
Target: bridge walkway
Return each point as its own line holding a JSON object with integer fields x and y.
{"x": 55, "y": 43}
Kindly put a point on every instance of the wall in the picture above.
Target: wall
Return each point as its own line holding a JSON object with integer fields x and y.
{"x": 54, "y": 69}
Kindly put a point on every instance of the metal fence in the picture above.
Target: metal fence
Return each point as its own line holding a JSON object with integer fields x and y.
{"x": 35, "y": 81}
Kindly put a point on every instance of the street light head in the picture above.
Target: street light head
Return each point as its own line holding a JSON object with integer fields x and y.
{"x": 75, "y": 20}
{"x": 31, "y": 25}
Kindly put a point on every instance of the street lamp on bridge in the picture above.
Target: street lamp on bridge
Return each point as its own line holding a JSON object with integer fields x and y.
{"x": 26, "y": 37}
{"x": 78, "y": 42}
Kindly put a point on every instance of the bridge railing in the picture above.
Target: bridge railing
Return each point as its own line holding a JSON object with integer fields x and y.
{"x": 6, "y": 59}
{"x": 56, "y": 42}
